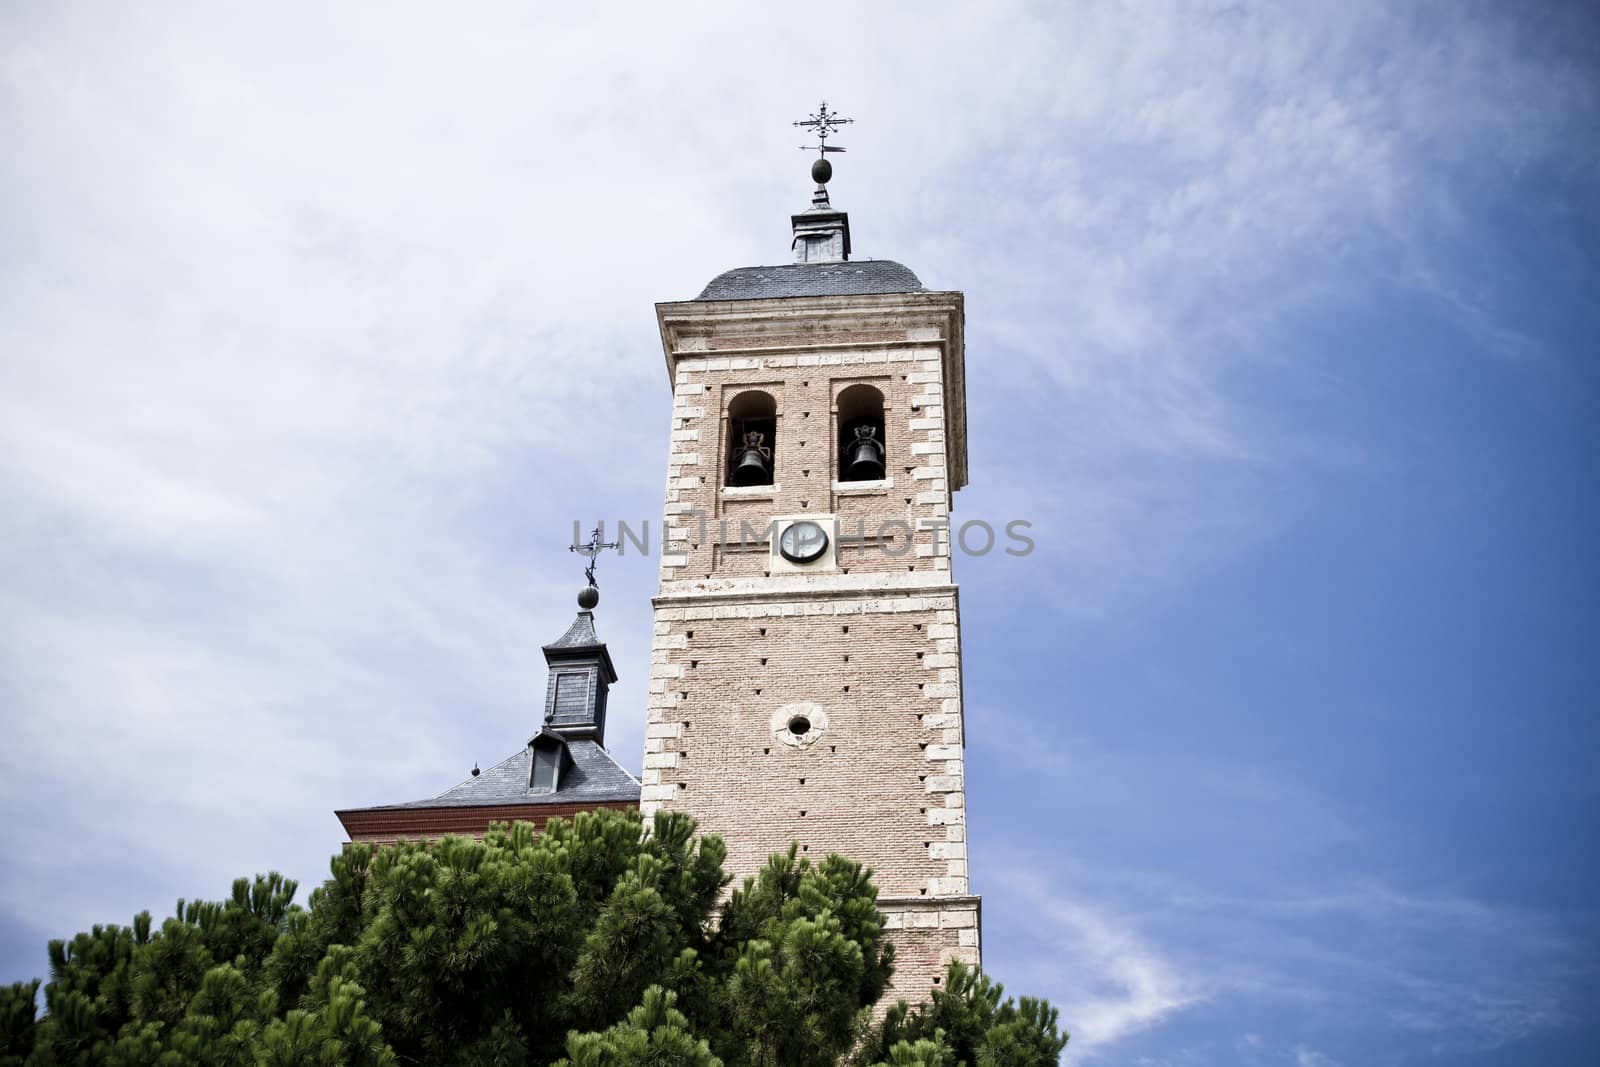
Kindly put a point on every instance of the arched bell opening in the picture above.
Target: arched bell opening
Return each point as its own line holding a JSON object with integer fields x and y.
{"x": 752, "y": 438}
{"x": 863, "y": 448}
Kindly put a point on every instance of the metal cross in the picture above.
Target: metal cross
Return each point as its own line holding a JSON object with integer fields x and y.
{"x": 593, "y": 550}
{"x": 824, "y": 124}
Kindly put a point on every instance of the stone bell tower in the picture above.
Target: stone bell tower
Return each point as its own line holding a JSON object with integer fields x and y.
{"x": 806, "y": 677}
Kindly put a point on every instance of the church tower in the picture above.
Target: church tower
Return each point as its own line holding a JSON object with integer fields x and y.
{"x": 806, "y": 662}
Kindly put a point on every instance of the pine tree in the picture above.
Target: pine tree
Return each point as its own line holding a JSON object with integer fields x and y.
{"x": 18, "y": 1007}
{"x": 965, "y": 1022}
{"x": 597, "y": 942}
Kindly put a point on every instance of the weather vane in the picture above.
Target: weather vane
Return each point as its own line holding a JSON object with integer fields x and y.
{"x": 824, "y": 124}
{"x": 591, "y": 551}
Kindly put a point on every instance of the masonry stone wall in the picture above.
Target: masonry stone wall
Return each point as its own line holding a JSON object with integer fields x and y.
{"x": 861, "y": 650}
{"x": 927, "y": 936}
{"x": 881, "y": 779}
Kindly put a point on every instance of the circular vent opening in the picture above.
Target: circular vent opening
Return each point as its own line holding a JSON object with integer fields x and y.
{"x": 799, "y": 726}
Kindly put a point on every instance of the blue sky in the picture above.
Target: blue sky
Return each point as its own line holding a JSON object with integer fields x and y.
{"x": 319, "y": 327}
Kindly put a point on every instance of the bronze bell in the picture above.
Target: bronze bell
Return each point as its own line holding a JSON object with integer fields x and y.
{"x": 864, "y": 460}
{"x": 753, "y": 463}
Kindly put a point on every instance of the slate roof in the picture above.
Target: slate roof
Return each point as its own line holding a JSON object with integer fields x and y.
{"x": 580, "y": 634}
{"x": 593, "y": 776}
{"x": 850, "y": 278}
{"x": 580, "y": 638}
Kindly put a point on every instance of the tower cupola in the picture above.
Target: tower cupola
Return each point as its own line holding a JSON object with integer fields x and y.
{"x": 581, "y": 675}
{"x": 821, "y": 234}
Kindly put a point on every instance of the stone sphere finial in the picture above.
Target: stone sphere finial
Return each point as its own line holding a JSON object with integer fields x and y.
{"x": 588, "y": 597}
{"x": 821, "y": 171}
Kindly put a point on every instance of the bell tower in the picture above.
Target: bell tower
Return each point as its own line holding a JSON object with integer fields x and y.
{"x": 806, "y": 661}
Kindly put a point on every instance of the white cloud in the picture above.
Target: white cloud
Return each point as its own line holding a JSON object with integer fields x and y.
{"x": 1310, "y": 1057}
{"x": 1461, "y": 974}
{"x": 1181, "y": 882}
{"x": 320, "y": 325}
{"x": 1106, "y": 980}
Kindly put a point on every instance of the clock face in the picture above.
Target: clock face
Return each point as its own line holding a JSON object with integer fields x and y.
{"x": 802, "y": 542}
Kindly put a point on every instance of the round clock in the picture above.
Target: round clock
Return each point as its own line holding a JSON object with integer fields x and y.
{"x": 803, "y": 542}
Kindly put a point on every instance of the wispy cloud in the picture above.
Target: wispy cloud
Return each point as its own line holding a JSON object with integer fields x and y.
{"x": 1464, "y": 975}
{"x": 1273, "y": 906}
{"x": 1120, "y": 958}
{"x": 1310, "y": 1057}
{"x": 1108, "y": 981}
{"x": 315, "y": 343}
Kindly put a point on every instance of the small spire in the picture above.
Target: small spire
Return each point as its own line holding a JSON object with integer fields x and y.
{"x": 821, "y": 234}
{"x": 581, "y": 671}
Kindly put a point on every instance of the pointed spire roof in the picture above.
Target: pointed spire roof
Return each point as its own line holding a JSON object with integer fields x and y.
{"x": 581, "y": 675}
{"x": 580, "y": 642}
{"x": 579, "y": 635}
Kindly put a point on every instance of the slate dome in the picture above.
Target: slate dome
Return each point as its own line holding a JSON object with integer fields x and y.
{"x": 854, "y": 277}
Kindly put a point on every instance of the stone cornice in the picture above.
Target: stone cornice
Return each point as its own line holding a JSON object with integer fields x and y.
{"x": 894, "y": 903}
{"x": 801, "y": 587}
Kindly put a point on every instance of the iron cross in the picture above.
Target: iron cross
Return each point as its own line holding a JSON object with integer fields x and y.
{"x": 824, "y": 124}
{"x": 591, "y": 550}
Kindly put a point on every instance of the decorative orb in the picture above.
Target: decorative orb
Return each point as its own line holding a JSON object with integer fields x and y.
{"x": 588, "y": 597}
{"x": 821, "y": 171}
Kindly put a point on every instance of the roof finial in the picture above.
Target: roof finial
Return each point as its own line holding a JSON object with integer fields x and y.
{"x": 824, "y": 124}
{"x": 589, "y": 595}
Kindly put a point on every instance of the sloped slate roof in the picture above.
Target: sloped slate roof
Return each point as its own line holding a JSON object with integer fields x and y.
{"x": 580, "y": 638}
{"x": 579, "y": 635}
{"x": 850, "y": 278}
{"x": 594, "y": 776}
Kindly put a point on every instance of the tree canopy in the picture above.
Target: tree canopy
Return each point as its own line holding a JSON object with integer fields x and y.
{"x": 598, "y": 942}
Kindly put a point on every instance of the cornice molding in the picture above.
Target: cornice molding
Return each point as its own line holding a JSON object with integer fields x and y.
{"x": 414, "y": 824}
{"x": 801, "y": 589}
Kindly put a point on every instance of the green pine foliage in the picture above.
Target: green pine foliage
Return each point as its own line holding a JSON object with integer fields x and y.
{"x": 599, "y": 942}
{"x": 966, "y": 1023}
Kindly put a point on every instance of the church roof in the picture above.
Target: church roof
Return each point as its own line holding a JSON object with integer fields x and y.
{"x": 574, "y": 722}
{"x": 593, "y": 777}
{"x": 848, "y": 278}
